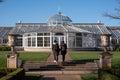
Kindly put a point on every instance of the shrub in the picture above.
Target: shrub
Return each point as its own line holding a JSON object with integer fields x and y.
{"x": 110, "y": 74}
{"x": 17, "y": 74}
{"x": 5, "y": 71}
{"x": 5, "y": 48}
{"x": 115, "y": 72}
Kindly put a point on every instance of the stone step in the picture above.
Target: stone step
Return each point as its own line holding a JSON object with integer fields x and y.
{"x": 59, "y": 63}
{"x": 40, "y": 65}
{"x": 60, "y": 68}
{"x": 57, "y": 66}
{"x": 54, "y": 68}
{"x": 51, "y": 66}
{"x": 66, "y": 69}
{"x": 62, "y": 72}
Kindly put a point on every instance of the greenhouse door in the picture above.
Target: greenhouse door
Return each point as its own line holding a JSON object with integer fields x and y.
{"x": 59, "y": 39}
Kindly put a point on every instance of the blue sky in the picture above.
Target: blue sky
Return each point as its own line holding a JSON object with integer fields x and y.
{"x": 38, "y": 11}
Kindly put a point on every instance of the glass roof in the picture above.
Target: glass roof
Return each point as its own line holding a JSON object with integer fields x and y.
{"x": 115, "y": 32}
{"x": 4, "y": 31}
{"x": 59, "y": 19}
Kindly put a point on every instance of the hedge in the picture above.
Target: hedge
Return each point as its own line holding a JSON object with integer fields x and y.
{"x": 5, "y": 48}
{"x": 110, "y": 74}
{"x": 5, "y": 71}
{"x": 17, "y": 74}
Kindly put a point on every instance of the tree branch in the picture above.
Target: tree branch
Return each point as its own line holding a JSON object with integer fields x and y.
{"x": 112, "y": 16}
{"x": 1, "y": 0}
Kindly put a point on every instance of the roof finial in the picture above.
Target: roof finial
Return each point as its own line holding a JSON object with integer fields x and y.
{"x": 99, "y": 21}
{"x": 59, "y": 12}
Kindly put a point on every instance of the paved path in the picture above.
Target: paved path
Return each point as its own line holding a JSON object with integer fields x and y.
{"x": 51, "y": 58}
{"x": 70, "y": 70}
{"x": 60, "y": 76}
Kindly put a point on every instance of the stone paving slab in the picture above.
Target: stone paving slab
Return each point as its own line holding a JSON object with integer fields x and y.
{"x": 60, "y": 72}
{"x": 51, "y": 58}
{"x": 56, "y": 75}
{"x": 61, "y": 77}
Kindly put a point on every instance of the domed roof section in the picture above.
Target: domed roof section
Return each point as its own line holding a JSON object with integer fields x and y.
{"x": 59, "y": 19}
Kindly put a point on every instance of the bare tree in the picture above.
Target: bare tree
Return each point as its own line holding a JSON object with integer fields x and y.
{"x": 114, "y": 15}
{"x": 1, "y": 0}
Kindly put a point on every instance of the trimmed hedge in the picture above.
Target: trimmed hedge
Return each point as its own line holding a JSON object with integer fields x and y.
{"x": 17, "y": 74}
{"x": 5, "y": 48}
{"x": 110, "y": 74}
{"x": 4, "y": 71}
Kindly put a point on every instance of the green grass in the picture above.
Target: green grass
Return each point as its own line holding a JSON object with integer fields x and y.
{"x": 3, "y": 60}
{"x": 27, "y": 56}
{"x": 93, "y": 55}
{"x": 42, "y": 56}
{"x": 85, "y": 56}
{"x": 89, "y": 76}
{"x": 33, "y": 56}
{"x": 116, "y": 60}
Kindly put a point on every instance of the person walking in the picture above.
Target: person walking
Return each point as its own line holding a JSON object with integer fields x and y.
{"x": 63, "y": 50}
{"x": 55, "y": 49}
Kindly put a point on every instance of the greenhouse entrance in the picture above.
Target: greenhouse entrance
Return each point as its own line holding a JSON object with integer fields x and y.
{"x": 59, "y": 39}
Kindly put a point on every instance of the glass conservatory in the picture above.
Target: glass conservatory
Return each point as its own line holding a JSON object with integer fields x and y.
{"x": 40, "y": 36}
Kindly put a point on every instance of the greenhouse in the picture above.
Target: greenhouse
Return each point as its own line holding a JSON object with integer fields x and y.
{"x": 40, "y": 36}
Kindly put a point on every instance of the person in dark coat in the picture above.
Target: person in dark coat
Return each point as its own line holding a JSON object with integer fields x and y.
{"x": 55, "y": 49}
{"x": 63, "y": 49}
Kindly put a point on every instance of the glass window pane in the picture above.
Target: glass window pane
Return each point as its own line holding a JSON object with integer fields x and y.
{"x": 18, "y": 41}
{"x": 40, "y": 41}
{"x": 39, "y": 34}
{"x": 33, "y": 41}
{"x": 29, "y": 41}
{"x": 46, "y": 41}
{"x": 78, "y": 42}
{"x": 71, "y": 42}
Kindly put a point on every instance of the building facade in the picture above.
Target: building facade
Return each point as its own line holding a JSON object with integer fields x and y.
{"x": 77, "y": 36}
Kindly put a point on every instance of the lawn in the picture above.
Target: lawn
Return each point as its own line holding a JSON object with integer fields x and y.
{"x": 94, "y": 55}
{"x": 3, "y": 59}
{"x": 91, "y": 56}
{"x": 27, "y": 56}
{"x": 42, "y": 56}
{"x": 85, "y": 55}
{"x": 33, "y": 56}
{"x": 116, "y": 60}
